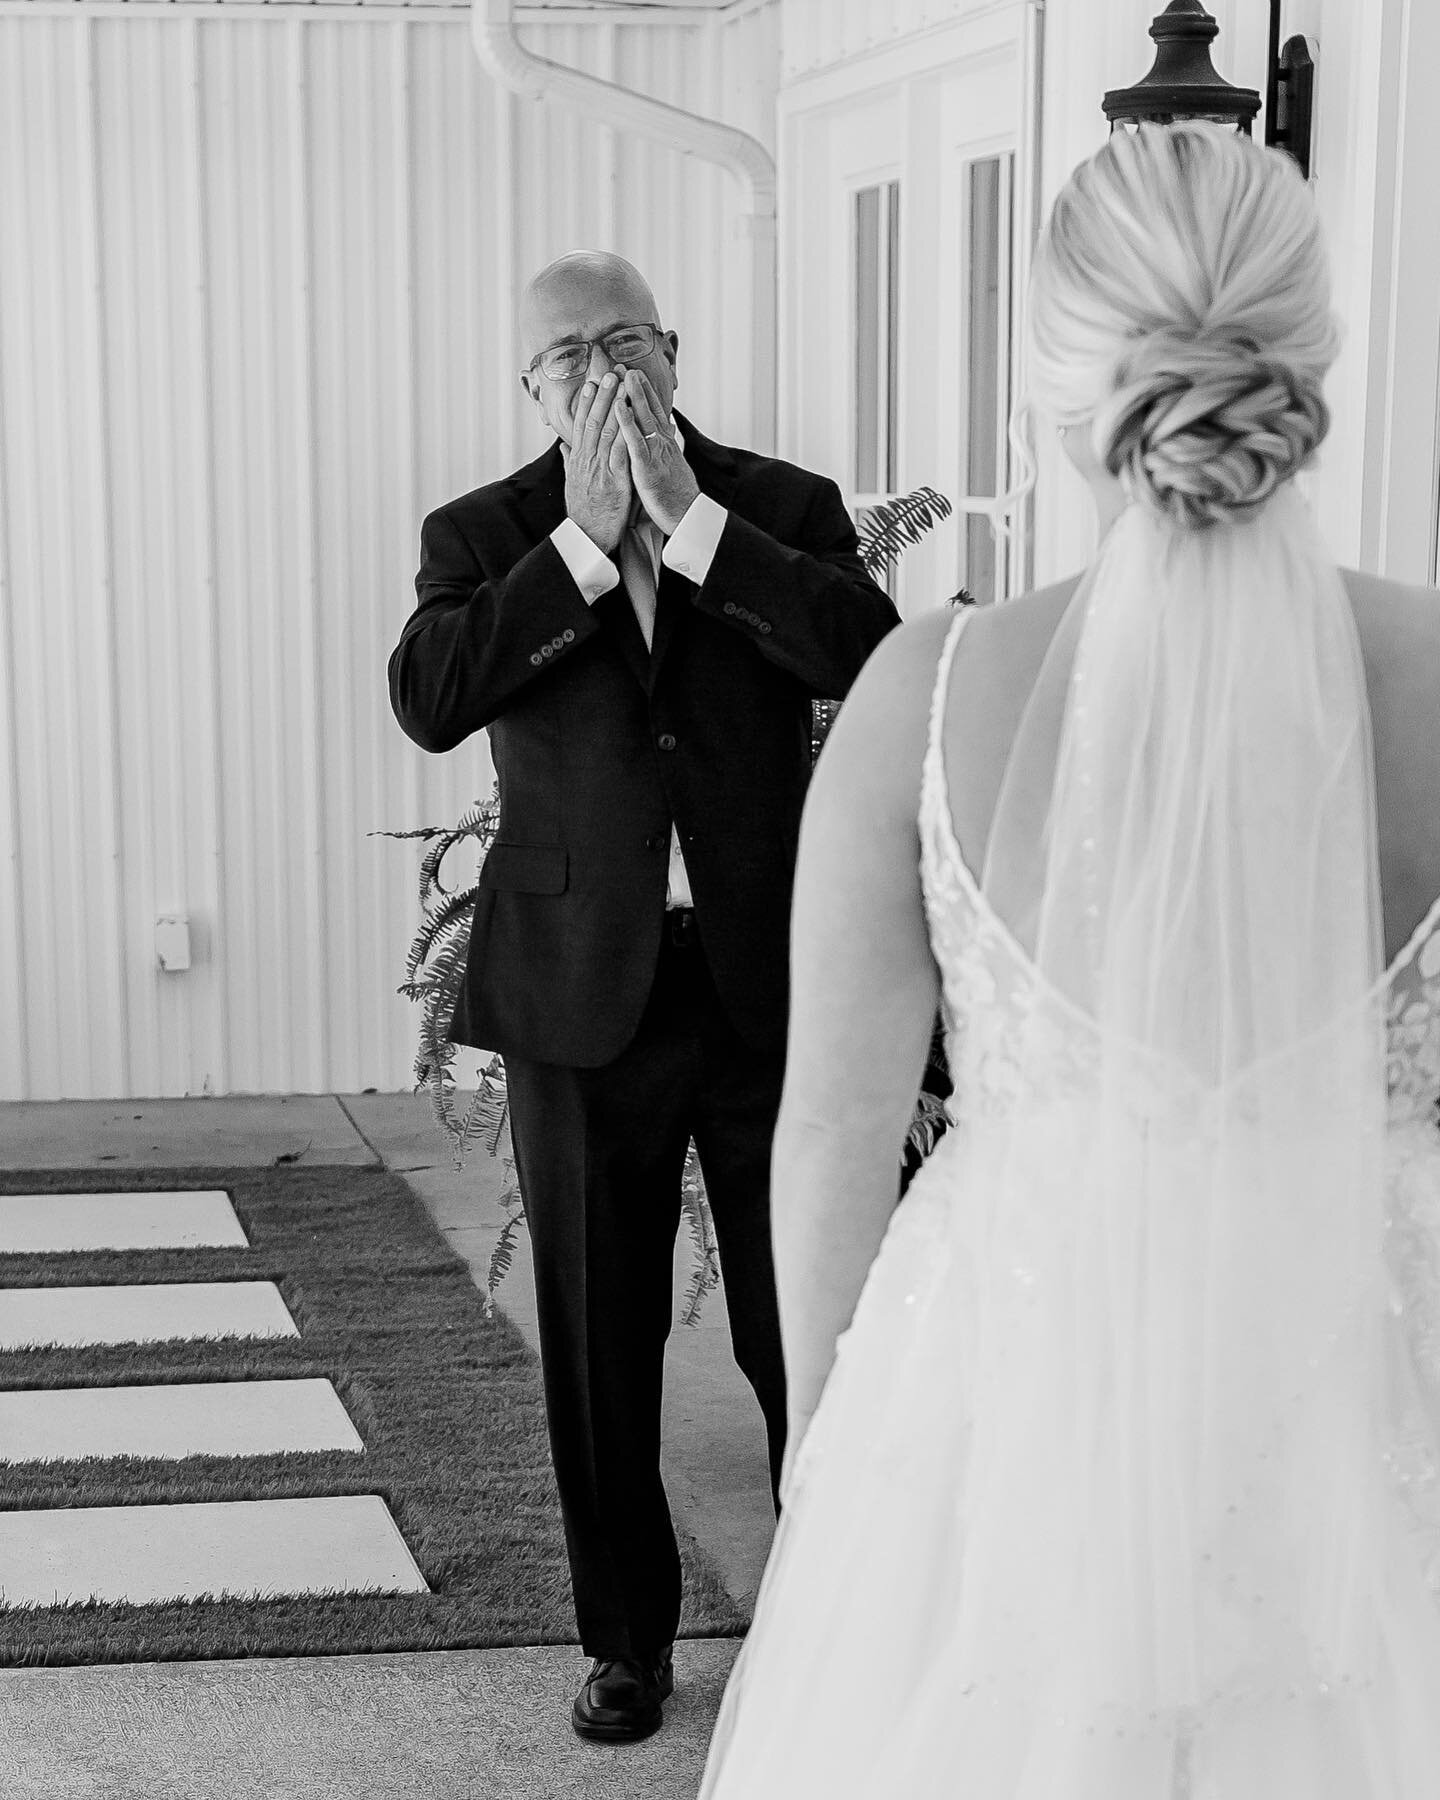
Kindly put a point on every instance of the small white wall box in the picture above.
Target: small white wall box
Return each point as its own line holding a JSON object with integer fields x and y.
{"x": 172, "y": 941}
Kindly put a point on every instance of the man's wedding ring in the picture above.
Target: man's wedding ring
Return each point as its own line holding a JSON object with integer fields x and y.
{"x": 652, "y": 434}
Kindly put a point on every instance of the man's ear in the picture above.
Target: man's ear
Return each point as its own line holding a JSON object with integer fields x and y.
{"x": 671, "y": 342}
{"x": 530, "y": 385}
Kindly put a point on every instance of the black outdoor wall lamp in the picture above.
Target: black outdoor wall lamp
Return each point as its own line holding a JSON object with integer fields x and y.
{"x": 1289, "y": 86}
{"x": 1183, "y": 83}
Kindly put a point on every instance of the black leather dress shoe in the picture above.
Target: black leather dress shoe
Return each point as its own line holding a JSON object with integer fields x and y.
{"x": 621, "y": 1699}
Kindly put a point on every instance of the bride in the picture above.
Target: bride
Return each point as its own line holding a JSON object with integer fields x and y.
{"x": 1114, "y": 1446}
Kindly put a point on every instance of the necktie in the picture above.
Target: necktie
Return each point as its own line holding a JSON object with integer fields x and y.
{"x": 637, "y": 571}
{"x": 639, "y": 559}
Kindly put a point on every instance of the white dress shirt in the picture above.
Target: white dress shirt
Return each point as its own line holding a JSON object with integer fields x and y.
{"x": 689, "y": 551}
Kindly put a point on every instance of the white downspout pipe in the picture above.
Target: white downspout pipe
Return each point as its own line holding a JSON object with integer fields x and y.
{"x": 492, "y": 32}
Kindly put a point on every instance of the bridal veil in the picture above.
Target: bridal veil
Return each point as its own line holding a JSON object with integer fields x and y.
{"x": 1175, "y": 1498}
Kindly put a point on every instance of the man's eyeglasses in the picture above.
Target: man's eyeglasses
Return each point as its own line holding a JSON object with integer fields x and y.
{"x": 626, "y": 344}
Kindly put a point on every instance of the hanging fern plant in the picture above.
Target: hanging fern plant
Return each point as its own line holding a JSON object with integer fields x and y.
{"x": 435, "y": 971}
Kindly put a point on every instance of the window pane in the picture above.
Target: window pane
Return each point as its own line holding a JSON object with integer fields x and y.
{"x": 1435, "y": 514}
{"x": 892, "y": 339}
{"x": 867, "y": 340}
{"x": 877, "y": 337}
{"x": 986, "y": 360}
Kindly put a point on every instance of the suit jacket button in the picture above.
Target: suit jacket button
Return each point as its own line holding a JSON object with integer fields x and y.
{"x": 537, "y": 659}
{"x": 729, "y": 609}
{"x": 765, "y": 625}
{"x": 567, "y": 637}
{"x": 665, "y": 741}
{"x": 557, "y": 643}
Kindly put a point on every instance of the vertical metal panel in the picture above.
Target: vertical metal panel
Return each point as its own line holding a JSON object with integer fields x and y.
{"x": 260, "y": 277}
{"x": 59, "y": 629}
{"x": 104, "y": 962}
{"x": 14, "y": 324}
{"x": 207, "y": 857}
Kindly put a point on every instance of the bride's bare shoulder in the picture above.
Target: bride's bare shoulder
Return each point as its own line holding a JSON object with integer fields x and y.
{"x": 1397, "y": 620}
{"x": 1002, "y": 645}
{"x": 1031, "y": 617}
{"x": 1004, "y": 648}
{"x": 1399, "y": 629}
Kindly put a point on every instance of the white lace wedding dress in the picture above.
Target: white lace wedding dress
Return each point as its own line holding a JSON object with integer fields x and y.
{"x": 1032, "y": 1551}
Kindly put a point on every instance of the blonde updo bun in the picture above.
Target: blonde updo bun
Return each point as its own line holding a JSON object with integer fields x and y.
{"x": 1205, "y": 431}
{"x": 1181, "y": 305}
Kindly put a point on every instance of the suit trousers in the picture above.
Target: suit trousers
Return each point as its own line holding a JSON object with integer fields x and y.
{"x": 599, "y": 1155}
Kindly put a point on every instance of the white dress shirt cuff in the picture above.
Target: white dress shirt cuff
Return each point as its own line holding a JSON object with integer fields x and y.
{"x": 692, "y": 545}
{"x": 592, "y": 569}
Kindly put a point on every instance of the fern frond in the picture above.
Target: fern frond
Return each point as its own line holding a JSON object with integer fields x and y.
{"x": 695, "y": 1210}
{"x": 927, "y": 1124}
{"x": 501, "y": 1257}
{"x": 454, "y": 915}
{"x": 432, "y": 1073}
{"x": 441, "y": 991}
{"x": 478, "y": 826}
{"x": 430, "y": 882}
{"x": 486, "y": 1114}
{"x": 494, "y": 1114}
{"x": 510, "y": 1190}
{"x": 894, "y": 525}
{"x": 433, "y": 1057}
{"x": 503, "y": 1254}
{"x": 445, "y": 964}
{"x": 481, "y": 819}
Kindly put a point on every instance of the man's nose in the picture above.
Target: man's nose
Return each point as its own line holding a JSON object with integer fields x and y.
{"x": 600, "y": 364}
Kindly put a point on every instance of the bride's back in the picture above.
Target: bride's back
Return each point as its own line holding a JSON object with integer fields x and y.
{"x": 1004, "y": 647}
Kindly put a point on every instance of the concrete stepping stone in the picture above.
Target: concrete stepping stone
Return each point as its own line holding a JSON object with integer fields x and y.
{"x": 210, "y": 1418}
{"x": 142, "y": 1313}
{"x": 176, "y": 1219}
{"x": 240, "y": 1548}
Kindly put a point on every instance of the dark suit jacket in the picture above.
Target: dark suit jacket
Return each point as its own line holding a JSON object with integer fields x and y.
{"x": 600, "y": 744}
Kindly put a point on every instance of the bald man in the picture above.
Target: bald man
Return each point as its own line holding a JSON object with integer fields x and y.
{"x": 640, "y": 619}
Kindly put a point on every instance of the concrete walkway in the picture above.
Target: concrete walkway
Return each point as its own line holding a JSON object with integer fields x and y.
{"x": 451, "y": 1725}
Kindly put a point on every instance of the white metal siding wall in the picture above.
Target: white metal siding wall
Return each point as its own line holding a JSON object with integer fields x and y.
{"x": 818, "y": 33}
{"x": 258, "y": 277}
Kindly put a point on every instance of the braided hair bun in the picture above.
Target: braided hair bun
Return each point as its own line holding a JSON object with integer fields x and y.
{"x": 1204, "y": 430}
